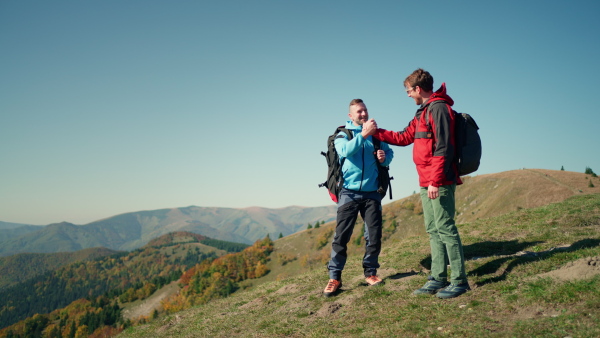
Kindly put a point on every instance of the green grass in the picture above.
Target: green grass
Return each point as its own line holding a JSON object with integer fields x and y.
{"x": 504, "y": 255}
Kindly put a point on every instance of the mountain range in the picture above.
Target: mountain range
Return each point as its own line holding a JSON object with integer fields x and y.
{"x": 132, "y": 230}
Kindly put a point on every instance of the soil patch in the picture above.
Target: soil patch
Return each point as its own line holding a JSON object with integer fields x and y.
{"x": 254, "y": 303}
{"x": 290, "y": 288}
{"x": 580, "y": 269}
{"x": 328, "y": 309}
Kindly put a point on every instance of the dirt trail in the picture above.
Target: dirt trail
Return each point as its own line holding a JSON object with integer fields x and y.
{"x": 147, "y": 306}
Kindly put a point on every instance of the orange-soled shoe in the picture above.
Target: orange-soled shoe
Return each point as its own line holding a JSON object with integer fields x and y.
{"x": 332, "y": 287}
{"x": 374, "y": 280}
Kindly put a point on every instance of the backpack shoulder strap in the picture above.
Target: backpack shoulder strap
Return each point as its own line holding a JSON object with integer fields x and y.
{"x": 428, "y": 113}
{"x": 376, "y": 143}
{"x": 450, "y": 110}
{"x": 377, "y": 146}
{"x": 383, "y": 174}
{"x": 345, "y": 130}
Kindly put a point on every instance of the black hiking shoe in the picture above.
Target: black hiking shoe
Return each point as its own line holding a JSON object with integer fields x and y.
{"x": 453, "y": 290}
{"x": 431, "y": 287}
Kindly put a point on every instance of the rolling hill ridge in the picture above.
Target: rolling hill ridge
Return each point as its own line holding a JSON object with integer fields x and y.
{"x": 132, "y": 230}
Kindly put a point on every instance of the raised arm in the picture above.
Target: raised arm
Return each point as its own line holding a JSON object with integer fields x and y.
{"x": 398, "y": 138}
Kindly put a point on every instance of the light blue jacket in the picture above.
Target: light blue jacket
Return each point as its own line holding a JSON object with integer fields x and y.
{"x": 360, "y": 166}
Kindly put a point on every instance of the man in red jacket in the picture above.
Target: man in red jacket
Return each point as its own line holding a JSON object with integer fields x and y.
{"x": 432, "y": 132}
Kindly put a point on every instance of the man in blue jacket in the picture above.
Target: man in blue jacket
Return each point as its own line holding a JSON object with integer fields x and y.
{"x": 359, "y": 195}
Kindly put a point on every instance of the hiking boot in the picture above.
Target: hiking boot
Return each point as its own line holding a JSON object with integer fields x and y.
{"x": 332, "y": 287}
{"x": 431, "y": 287}
{"x": 453, "y": 290}
{"x": 374, "y": 280}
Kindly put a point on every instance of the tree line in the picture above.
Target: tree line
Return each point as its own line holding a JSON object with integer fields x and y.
{"x": 83, "y": 299}
{"x": 125, "y": 273}
{"x": 220, "y": 277}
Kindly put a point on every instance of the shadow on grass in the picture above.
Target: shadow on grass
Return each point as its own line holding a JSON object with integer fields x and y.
{"x": 514, "y": 261}
{"x": 488, "y": 248}
{"x": 509, "y": 249}
{"x": 498, "y": 248}
{"x": 402, "y": 275}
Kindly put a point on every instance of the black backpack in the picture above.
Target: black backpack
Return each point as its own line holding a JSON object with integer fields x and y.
{"x": 335, "y": 178}
{"x": 467, "y": 141}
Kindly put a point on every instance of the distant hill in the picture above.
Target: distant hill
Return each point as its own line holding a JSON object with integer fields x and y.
{"x": 126, "y": 275}
{"x": 132, "y": 230}
{"x": 21, "y": 267}
{"x": 491, "y": 195}
{"x": 12, "y": 230}
{"x": 9, "y": 225}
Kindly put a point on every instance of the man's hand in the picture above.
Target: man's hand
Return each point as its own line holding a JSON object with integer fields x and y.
{"x": 369, "y": 128}
{"x": 381, "y": 155}
{"x": 433, "y": 192}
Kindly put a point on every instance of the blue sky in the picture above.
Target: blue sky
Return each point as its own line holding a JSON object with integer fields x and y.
{"x": 109, "y": 107}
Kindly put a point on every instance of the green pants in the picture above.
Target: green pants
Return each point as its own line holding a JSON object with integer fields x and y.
{"x": 443, "y": 236}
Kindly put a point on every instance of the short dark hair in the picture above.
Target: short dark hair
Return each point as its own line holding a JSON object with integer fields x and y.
{"x": 356, "y": 101}
{"x": 421, "y": 78}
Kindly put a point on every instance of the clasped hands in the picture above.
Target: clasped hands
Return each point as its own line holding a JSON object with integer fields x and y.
{"x": 369, "y": 128}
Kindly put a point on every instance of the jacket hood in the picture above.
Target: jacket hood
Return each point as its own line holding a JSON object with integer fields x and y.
{"x": 440, "y": 94}
{"x": 350, "y": 126}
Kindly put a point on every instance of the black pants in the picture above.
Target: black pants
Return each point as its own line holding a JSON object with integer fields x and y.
{"x": 352, "y": 203}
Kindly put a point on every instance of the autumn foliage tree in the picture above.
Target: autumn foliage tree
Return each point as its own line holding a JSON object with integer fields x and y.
{"x": 81, "y": 298}
{"x": 219, "y": 278}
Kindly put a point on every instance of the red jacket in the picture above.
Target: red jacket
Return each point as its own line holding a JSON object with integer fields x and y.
{"x": 432, "y": 132}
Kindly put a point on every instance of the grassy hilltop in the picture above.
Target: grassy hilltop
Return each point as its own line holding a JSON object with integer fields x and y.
{"x": 532, "y": 244}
